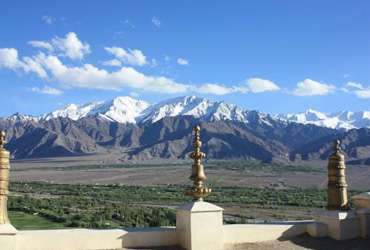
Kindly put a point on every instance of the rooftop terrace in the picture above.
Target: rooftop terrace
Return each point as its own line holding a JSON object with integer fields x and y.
{"x": 199, "y": 224}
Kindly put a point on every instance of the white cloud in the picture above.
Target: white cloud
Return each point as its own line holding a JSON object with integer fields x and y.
{"x": 310, "y": 87}
{"x": 48, "y": 19}
{"x": 363, "y": 93}
{"x": 157, "y": 23}
{"x": 344, "y": 89}
{"x": 215, "y": 89}
{"x": 47, "y": 90}
{"x": 129, "y": 24}
{"x": 133, "y": 57}
{"x": 113, "y": 63}
{"x": 41, "y": 44}
{"x": 32, "y": 65}
{"x": 89, "y": 76}
{"x": 167, "y": 58}
{"x": 9, "y": 59}
{"x": 182, "y": 61}
{"x": 258, "y": 85}
{"x": 71, "y": 46}
{"x": 153, "y": 63}
{"x": 351, "y": 86}
{"x": 50, "y": 67}
{"x": 354, "y": 85}
{"x": 358, "y": 89}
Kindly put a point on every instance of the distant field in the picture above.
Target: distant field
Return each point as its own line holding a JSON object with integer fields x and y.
{"x": 103, "y": 169}
{"x": 44, "y": 205}
{"x": 25, "y": 221}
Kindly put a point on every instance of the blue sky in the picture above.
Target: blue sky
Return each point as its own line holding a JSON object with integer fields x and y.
{"x": 274, "y": 56}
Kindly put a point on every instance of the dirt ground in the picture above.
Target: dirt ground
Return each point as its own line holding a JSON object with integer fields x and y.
{"x": 51, "y": 170}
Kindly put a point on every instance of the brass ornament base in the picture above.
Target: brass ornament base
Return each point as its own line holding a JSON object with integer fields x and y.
{"x": 198, "y": 193}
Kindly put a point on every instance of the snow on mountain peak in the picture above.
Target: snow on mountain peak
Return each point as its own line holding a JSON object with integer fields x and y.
{"x": 125, "y": 109}
{"x": 197, "y": 107}
{"x": 72, "y": 111}
{"x": 129, "y": 110}
{"x": 340, "y": 120}
{"x": 366, "y": 115}
{"x": 121, "y": 109}
{"x": 314, "y": 114}
{"x": 21, "y": 117}
{"x": 185, "y": 105}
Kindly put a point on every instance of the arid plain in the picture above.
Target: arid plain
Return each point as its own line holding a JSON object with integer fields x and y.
{"x": 109, "y": 169}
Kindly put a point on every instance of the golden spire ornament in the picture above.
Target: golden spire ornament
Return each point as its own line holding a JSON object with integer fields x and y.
{"x": 337, "y": 185}
{"x": 4, "y": 179}
{"x": 198, "y": 191}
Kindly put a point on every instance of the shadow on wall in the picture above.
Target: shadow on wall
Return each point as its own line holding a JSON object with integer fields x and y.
{"x": 297, "y": 229}
{"x": 305, "y": 241}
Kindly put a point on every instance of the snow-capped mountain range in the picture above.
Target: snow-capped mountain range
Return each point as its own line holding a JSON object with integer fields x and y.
{"x": 341, "y": 120}
{"x": 129, "y": 110}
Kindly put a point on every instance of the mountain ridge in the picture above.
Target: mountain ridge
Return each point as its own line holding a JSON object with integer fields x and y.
{"x": 164, "y": 130}
{"x": 125, "y": 109}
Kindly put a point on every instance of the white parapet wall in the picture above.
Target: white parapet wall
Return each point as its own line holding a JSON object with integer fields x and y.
{"x": 89, "y": 239}
{"x": 249, "y": 233}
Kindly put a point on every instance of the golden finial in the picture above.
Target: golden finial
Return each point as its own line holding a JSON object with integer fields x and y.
{"x": 337, "y": 184}
{"x": 336, "y": 146}
{"x": 2, "y": 138}
{"x": 198, "y": 190}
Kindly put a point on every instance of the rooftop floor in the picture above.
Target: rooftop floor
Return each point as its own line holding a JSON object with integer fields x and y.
{"x": 306, "y": 242}
{"x": 297, "y": 243}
